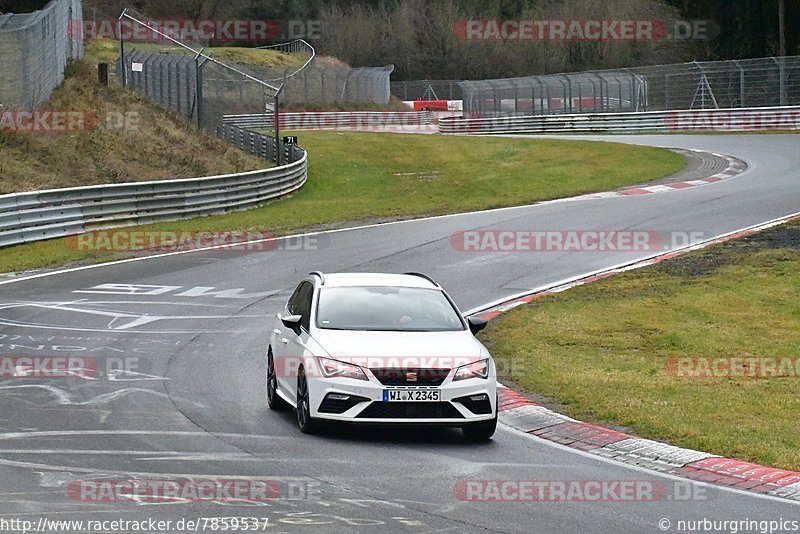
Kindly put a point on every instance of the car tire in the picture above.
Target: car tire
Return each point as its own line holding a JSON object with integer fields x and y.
{"x": 482, "y": 431}
{"x": 307, "y": 424}
{"x": 274, "y": 401}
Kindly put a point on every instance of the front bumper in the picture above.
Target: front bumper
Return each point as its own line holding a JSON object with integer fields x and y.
{"x": 458, "y": 404}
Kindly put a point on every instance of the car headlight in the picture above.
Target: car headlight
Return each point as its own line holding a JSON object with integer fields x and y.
{"x": 479, "y": 369}
{"x": 336, "y": 369}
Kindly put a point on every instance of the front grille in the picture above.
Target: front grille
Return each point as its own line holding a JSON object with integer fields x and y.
{"x": 410, "y": 410}
{"x": 396, "y": 376}
{"x": 329, "y": 405}
{"x": 478, "y": 407}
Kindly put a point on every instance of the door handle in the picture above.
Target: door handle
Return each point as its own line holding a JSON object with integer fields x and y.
{"x": 284, "y": 340}
{"x": 276, "y": 332}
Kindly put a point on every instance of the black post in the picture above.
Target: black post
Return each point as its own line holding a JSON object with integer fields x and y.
{"x": 102, "y": 73}
{"x": 278, "y": 150}
{"x": 198, "y": 88}
{"x": 123, "y": 64}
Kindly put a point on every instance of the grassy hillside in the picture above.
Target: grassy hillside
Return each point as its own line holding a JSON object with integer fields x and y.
{"x": 133, "y": 141}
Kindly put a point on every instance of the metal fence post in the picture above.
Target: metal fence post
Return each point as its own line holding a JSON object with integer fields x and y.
{"x": 276, "y": 115}
{"x": 122, "y": 49}
{"x": 781, "y": 79}
{"x": 198, "y": 86}
{"x": 741, "y": 83}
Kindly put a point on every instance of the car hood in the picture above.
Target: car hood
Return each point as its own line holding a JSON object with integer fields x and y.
{"x": 435, "y": 350}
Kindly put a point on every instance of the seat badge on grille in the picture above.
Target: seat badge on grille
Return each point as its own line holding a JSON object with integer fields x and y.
{"x": 411, "y": 377}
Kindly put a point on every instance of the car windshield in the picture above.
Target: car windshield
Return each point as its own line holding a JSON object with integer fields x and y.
{"x": 400, "y": 309}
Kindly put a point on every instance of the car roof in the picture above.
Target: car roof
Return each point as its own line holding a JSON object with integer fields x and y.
{"x": 378, "y": 279}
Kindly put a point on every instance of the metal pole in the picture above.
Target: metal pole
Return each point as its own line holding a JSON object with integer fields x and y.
{"x": 782, "y": 49}
{"x": 741, "y": 83}
{"x": 198, "y": 86}
{"x": 122, "y": 50}
{"x": 781, "y": 80}
{"x": 781, "y": 28}
{"x": 277, "y": 130}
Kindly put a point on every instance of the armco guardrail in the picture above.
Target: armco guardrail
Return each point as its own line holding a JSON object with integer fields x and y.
{"x": 332, "y": 120}
{"x": 745, "y": 119}
{"x": 258, "y": 144}
{"x": 38, "y": 215}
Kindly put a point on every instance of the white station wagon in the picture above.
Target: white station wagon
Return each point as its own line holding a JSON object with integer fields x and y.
{"x": 380, "y": 348}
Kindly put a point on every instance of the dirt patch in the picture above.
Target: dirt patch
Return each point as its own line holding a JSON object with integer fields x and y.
{"x": 706, "y": 261}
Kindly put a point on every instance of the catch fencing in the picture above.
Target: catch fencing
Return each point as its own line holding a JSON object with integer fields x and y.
{"x": 188, "y": 79}
{"x": 427, "y": 90}
{"x": 34, "y": 49}
{"x": 328, "y": 81}
{"x": 747, "y": 83}
{"x": 320, "y": 82}
{"x": 198, "y": 89}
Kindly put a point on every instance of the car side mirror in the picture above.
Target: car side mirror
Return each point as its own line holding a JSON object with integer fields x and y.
{"x": 476, "y": 324}
{"x": 292, "y": 322}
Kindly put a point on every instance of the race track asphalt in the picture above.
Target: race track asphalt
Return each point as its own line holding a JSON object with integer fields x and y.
{"x": 191, "y": 329}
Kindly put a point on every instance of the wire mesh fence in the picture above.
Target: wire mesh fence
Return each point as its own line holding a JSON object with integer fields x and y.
{"x": 183, "y": 75}
{"x": 764, "y": 82}
{"x": 329, "y": 83}
{"x": 427, "y": 90}
{"x": 187, "y": 77}
{"x": 324, "y": 81}
{"x": 34, "y": 48}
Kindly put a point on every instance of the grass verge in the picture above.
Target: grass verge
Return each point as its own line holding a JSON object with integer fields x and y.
{"x": 380, "y": 176}
{"x": 602, "y": 351}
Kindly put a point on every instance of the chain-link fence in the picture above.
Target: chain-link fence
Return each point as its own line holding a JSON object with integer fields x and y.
{"x": 195, "y": 87}
{"x": 760, "y": 82}
{"x": 188, "y": 78}
{"x": 329, "y": 81}
{"x": 427, "y": 90}
{"x": 325, "y": 82}
{"x": 34, "y": 48}
{"x": 175, "y": 80}
{"x": 184, "y": 76}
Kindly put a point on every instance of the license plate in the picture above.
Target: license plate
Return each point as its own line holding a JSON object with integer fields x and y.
{"x": 411, "y": 395}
